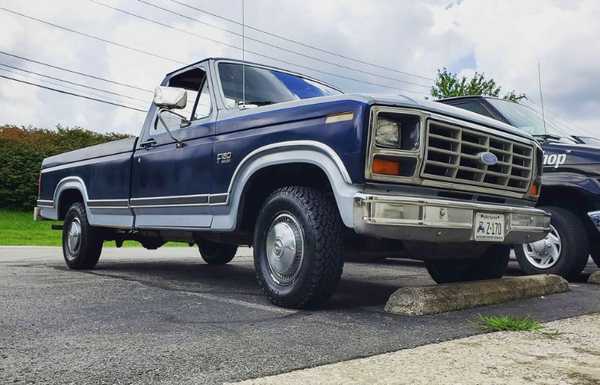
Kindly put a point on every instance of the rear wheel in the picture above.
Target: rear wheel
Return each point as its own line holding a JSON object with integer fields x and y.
{"x": 564, "y": 251}
{"x": 297, "y": 247}
{"x": 81, "y": 242}
{"x": 491, "y": 265}
{"x": 215, "y": 253}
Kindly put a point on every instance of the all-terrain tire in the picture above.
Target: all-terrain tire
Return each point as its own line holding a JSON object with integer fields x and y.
{"x": 215, "y": 253}
{"x": 574, "y": 246}
{"x": 491, "y": 265}
{"x": 81, "y": 242}
{"x": 303, "y": 225}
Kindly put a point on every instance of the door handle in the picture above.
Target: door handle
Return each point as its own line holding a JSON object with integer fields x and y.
{"x": 148, "y": 143}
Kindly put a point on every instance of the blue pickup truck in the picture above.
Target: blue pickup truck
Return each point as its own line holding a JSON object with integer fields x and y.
{"x": 234, "y": 153}
{"x": 570, "y": 188}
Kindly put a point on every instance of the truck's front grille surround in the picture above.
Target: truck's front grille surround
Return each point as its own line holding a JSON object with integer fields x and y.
{"x": 451, "y": 155}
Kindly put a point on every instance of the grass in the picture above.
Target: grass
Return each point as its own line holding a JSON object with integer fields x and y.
{"x": 492, "y": 323}
{"x": 17, "y": 228}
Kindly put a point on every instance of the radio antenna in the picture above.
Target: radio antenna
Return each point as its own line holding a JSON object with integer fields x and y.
{"x": 541, "y": 96}
{"x": 243, "y": 55}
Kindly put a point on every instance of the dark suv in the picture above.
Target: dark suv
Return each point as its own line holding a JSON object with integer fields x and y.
{"x": 570, "y": 188}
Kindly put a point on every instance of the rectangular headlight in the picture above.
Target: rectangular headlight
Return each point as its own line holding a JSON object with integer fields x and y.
{"x": 398, "y": 131}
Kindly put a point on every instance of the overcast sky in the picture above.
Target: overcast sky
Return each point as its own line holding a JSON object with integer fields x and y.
{"x": 504, "y": 39}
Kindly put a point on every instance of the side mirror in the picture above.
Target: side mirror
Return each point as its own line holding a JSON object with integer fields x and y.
{"x": 170, "y": 97}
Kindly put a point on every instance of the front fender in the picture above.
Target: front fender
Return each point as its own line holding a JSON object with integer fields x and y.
{"x": 302, "y": 151}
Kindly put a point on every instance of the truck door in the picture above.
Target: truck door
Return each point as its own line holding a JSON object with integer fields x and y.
{"x": 171, "y": 183}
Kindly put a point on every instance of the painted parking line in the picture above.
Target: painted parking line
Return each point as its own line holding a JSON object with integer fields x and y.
{"x": 232, "y": 301}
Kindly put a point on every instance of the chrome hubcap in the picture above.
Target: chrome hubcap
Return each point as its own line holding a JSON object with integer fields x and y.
{"x": 74, "y": 238}
{"x": 285, "y": 249}
{"x": 544, "y": 254}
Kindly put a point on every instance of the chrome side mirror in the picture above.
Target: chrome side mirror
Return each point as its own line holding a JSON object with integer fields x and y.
{"x": 170, "y": 97}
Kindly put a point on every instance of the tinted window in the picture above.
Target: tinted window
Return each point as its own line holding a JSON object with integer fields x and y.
{"x": 265, "y": 86}
{"x": 473, "y": 106}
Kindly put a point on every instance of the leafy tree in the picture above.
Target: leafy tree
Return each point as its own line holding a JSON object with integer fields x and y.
{"x": 449, "y": 84}
{"x": 22, "y": 150}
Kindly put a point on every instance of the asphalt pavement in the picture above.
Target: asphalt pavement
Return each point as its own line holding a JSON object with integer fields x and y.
{"x": 166, "y": 317}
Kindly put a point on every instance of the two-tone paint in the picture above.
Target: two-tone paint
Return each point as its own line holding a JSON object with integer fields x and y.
{"x": 151, "y": 182}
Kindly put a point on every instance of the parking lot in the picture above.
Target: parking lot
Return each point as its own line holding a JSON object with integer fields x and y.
{"x": 166, "y": 317}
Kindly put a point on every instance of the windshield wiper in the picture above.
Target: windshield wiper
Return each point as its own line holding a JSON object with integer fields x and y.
{"x": 547, "y": 137}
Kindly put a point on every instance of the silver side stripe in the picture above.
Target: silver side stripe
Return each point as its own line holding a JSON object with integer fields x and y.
{"x": 45, "y": 203}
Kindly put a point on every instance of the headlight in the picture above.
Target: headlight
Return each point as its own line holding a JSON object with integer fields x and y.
{"x": 397, "y": 131}
{"x": 387, "y": 133}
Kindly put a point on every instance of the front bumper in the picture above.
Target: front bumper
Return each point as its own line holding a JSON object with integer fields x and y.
{"x": 439, "y": 220}
{"x": 595, "y": 218}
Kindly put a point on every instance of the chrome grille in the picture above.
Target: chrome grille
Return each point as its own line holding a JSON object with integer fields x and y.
{"x": 452, "y": 155}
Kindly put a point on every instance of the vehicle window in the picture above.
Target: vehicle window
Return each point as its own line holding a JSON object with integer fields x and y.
{"x": 474, "y": 106}
{"x": 528, "y": 119}
{"x": 264, "y": 86}
{"x": 203, "y": 105}
{"x": 191, "y": 81}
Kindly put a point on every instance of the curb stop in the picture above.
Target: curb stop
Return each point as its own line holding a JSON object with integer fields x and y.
{"x": 458, "y": 296}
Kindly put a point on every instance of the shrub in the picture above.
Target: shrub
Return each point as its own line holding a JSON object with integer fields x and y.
{"x": 22, "y": 151}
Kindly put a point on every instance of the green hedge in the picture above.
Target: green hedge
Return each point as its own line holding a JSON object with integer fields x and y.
{"x": 21, "y": 153}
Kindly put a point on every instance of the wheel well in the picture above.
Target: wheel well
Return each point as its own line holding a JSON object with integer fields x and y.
{"x": 67, "y": 198}
{"x": 565, "y": 197}
{"x": 571, "y": 199}
{"x": 266, "y": 180}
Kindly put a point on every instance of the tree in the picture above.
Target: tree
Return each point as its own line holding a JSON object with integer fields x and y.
{"x": 449, "y": 84}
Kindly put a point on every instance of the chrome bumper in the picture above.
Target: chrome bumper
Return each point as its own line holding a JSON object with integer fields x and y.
{"x": 595, "y": 217}
{"x": 439, "y": 220}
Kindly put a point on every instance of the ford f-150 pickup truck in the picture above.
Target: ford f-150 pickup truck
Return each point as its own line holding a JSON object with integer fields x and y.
{"x": 233, "y": 153}
{"x": 570, "y": 188}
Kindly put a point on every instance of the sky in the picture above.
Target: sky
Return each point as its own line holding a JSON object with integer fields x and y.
{"x": 380, "y": 46}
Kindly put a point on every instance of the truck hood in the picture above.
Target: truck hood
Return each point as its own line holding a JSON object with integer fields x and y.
{"x": 442, "y": 109}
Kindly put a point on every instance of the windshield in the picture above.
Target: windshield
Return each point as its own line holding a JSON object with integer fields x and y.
{"x": 266, "y": 86}
{"x": 527, "y": 119}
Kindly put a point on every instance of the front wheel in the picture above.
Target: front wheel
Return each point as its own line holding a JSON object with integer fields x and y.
{"x": 564, "y": 251}
{"x": 297, "y": 247}
{"x": 491, "y": 265}
{"x": 81, "y": 243}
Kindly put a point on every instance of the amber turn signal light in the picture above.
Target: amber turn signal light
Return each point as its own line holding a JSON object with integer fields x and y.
{"x": 386, "y": 166}
{"x": 534, "y": 190}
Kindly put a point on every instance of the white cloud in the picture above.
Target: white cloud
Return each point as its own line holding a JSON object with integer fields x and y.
{"x": 504, "y": 39}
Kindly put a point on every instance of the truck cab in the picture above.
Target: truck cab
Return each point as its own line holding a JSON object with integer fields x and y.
{"x": 570, "y": 188}
{"x": 235, "y": 153}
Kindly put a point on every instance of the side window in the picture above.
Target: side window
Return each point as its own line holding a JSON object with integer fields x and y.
{"x": 203, "y": 106}
{"x": 191, "y": 81}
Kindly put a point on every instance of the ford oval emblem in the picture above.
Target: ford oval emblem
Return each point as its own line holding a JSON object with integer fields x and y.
{"x": 488, "y": 158}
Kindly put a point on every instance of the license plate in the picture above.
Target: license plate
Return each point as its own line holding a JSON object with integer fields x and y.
{"x": 488, "y": 227}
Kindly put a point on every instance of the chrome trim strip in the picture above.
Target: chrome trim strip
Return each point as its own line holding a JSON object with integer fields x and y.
{"x": 45, "y": 203}
{"x": 449, "y": 204}
{"x": 169, "y": 196}
{"x": 104, "y": 203}
{"x": 172, "y": 200}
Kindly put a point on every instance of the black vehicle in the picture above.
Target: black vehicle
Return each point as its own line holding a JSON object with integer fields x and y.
{"x": 570, "y": 188}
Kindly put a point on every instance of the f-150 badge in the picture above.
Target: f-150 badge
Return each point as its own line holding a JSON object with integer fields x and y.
{"x": 223, "y": 157}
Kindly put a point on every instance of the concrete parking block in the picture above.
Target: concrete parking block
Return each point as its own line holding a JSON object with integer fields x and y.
{"x": 456, "y": 296}
{"x": 594, "y": 278}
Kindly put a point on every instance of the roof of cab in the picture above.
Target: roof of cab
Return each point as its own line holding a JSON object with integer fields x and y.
{"x": 254, "y": 64}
